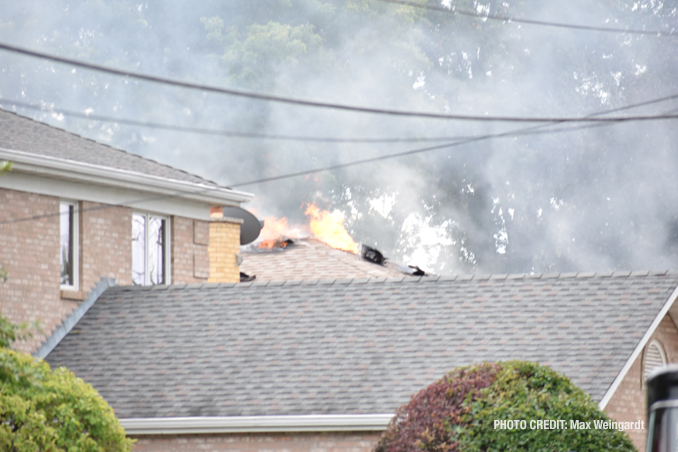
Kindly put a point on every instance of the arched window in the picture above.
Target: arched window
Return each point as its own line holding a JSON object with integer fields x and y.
{"x": 654, "y": 357}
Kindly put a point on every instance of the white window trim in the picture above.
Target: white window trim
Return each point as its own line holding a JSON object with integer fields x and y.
{"x": 167, "y": 244}
{"x": 76, "y": 244}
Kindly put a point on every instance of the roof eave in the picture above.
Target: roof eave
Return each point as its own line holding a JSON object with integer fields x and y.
{"x": 638, "y": 350}
{"x": 24, "y": 162}
{"x": 254, "y": 424}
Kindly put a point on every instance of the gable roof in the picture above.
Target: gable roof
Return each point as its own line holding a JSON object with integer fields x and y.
{"x": 20, "y": 133}
{"x": 310, "y": 259}
{"x": 348, "y": 346}
{"x": 44, "y": 152}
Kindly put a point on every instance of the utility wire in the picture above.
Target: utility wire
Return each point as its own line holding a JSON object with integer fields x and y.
{"x": 533, "y": 130}
{"x": 520, "y": 132}
{"x": 525, "y": 131}
{"x": 226, "y": 133}
{"x": 317, "y": 104}
{"x": 504, "y": 18}
{"x": 422, "y": 150}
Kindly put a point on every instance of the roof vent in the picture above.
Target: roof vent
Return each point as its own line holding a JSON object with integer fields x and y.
{"x": 372, "y": 255}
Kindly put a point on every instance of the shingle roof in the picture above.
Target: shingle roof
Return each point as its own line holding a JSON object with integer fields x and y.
{"x": 308, "y": 259}
{"x": 19, "y": 133}
{"x": 348, "y": 346}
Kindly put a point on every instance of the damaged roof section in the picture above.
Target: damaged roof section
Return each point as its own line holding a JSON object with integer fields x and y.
{"x": 311, "y": 259}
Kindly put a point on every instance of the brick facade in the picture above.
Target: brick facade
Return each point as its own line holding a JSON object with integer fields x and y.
{"x": 628, "y": 402}
{"x": 190, "y": 258}
{"x": 260, "y": 442}
{"x": 29, "y": 251}
{"x": 224, "y": 244}
{"x": 105, "y": 244}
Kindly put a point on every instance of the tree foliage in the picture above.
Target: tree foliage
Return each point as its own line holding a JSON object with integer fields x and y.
{"x": 458, "y": 412}
{"x": 597, "y": 199}
{"x": 51, "y": 410}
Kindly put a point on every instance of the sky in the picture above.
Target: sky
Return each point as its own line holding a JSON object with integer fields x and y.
{"x": 553, "y": 197}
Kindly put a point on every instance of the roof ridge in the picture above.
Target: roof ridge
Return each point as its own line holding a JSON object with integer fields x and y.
{"x": 110, "y": 146}
{"x": 404, "y": 280}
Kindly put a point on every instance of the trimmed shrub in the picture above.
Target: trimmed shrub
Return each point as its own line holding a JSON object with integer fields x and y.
{"x": 45, "y": 410}
{"x": 458, "y": 413}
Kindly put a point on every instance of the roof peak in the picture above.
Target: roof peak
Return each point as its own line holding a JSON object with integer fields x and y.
{"x": 408, "y": 280}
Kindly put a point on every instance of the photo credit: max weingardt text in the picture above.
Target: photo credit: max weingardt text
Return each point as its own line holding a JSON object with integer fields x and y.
{"x": 560, "y": 424}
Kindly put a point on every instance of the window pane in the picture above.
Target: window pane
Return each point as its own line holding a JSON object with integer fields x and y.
{"x": 156, "y": 250}
{"x": 66, "y": 247}
{"x": 138, "y": 249}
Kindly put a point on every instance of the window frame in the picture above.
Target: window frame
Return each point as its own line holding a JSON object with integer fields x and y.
{"x": 75, "y": 241}
{"x": 167, "y": 236}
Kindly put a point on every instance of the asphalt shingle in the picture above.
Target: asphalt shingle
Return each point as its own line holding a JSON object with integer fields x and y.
{"x": 310, "y": 259}
{"x": 356, "y": 348}
{"x": 19, "y": 133}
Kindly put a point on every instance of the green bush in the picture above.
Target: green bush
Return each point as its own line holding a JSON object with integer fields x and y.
{"x": 45, "y": 410}
{"x": 458, "y": 413}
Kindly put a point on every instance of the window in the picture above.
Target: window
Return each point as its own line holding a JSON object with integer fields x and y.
{"x": 68, "y": 249}
{"x": 150, "y": 250}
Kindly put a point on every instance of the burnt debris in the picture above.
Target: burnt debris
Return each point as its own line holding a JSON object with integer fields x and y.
{"x": 268, "y": 246}
{"x": 412, "y": 270}
{"x": 372, "y": 255}
{"x": 244, "y": 277}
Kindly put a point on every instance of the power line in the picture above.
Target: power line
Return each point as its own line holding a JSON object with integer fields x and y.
{"x": 203, "y": 131}
{"x": 525, "y": 131}
{"x": 504, "y": 18}
{"x": 520, "y": 132}
{"x": 533, "y": 130}
{"x": 317, "y": 104}
{"x": 419, "y": 151}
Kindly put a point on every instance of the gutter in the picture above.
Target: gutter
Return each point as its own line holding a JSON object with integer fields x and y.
{"x": 256, "y": 424}
{"x": 25, "y": 162}
{"x": 69, "y": 322}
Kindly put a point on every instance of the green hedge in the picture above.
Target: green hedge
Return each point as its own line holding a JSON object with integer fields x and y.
{"x": 458, "y": 413}
{"x": 45, "y": 410}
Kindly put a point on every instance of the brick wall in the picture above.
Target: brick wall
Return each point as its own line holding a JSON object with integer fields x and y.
{"x": 628, "y": 402}
{"x": 190, "y": 257}
{"x": 224, "y": 244}
{"x": 260, "y": 442}
{"x": 105, "y": 244}
{"x": 29, "y": 251}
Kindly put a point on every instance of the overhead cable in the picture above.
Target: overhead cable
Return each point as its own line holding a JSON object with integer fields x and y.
{"x": 226, "y": 133}
{"x": 318, "y": 104}
{"x": 505, "y": 18}
{"x": 525, "y": 131}
{"x": 533, "y": 130}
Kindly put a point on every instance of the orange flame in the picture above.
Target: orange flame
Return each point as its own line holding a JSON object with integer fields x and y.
{"x": 276, "y": 231}
{"x": 329, "y": 228}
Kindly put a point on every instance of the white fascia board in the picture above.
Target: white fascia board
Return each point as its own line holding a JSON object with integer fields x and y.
{"x": 638, "y": 350}
{"x": 95, "y": 174}
{"x": 81, "y": 191}
{"x": 256, "y": 424}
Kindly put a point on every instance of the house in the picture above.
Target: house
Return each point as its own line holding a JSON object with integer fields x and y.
{"x": 136, "y": 286}
{"x": 74, "y": 211}
{"x": 324, "y": 364}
